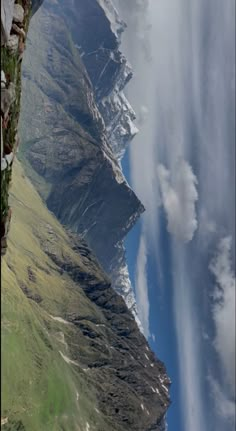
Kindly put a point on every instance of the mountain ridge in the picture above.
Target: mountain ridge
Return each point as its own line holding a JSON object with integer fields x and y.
{"x": 76, "y": 138}
{"x": 60, "y": 295}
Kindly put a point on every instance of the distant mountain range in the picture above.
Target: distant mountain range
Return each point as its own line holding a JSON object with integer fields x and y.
{"x": 87, "y": 124}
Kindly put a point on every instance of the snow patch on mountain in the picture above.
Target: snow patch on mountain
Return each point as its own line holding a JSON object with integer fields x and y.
{"x": 119, "y": 118}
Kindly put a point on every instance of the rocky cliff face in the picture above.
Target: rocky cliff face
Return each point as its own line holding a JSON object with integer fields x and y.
{"x": 14, "y": 26}
{"x": 107, "y": 67}
{"x": 74, "y": 124}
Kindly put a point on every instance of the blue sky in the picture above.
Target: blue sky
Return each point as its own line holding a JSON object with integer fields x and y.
{"x": 182, "y": 165}
{"x": 161, "y": 318}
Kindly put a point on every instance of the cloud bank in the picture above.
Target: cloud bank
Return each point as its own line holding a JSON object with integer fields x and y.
{"x": 179, "y": 196}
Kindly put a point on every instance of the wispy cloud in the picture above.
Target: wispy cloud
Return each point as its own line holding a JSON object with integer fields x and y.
{"x": 190, "y": 106}
{"x": 224, "y": 311}
{"x": 179, "y": 195}
{"x": 141, "y": 286}
{"x": 188, "y": 343}
{"x": 225, "y": 407}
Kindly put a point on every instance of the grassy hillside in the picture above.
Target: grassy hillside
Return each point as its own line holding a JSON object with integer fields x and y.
{"x": 73, "y": 358}
{"x": 40, "y": 388}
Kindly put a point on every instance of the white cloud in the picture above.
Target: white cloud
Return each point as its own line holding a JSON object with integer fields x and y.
{"x": 224, "y": 311}
{"x": 207, "y": 227}
{"x": 179, "y": 195}
{"x": 188, "y": 344}
{"x": 185, "y": 121}
{"x": 142, "y": 115}
{"x": 141, "y": 286}
{"x": 224, "y": 406}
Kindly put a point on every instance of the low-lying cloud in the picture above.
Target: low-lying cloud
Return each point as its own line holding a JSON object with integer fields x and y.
{"x": 179, "y": 196}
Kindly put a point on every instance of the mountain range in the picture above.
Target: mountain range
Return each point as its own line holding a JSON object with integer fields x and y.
{"x": 83, "y": 362}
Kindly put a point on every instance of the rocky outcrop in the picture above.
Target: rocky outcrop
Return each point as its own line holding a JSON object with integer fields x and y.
{"x": 14, "y": 25}
{"x": 108, "y": 69}
{"x": 118, "y": 116}
{"x": 7, "y": 7}
{"x": 18, "y": 13}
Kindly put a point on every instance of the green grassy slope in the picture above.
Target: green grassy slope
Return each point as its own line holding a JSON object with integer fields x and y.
{"x": 73, "y": 358}
{"x": 39, "y": 388}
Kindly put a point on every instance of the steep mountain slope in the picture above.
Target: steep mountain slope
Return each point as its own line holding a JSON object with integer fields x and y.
{"x": 69, "y": 141}
{"x": 72, "y": 355}
{"x": 106, "y": 66}
{"x": 14, "y": 26}
{"x": 15, "y": 17}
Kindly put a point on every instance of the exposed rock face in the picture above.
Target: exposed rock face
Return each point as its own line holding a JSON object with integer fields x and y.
{"x": 7, "y": 98}
{"x": 18, "y": 14}
{"x": 7, "y": 7}
{"x": 118, "y": 116}
{"x": 13, "y": 43}
{"x": 104, "y": 62}
{"x": 12, "y": 48}
{"x": 119, "y": 270}
{"x": 106, "y": 66}
{"x": 74, "y": 148}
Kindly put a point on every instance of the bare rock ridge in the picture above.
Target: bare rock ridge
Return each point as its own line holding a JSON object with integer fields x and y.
{"x": 74, "y": 148}
{"x": 107, "y": 67}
